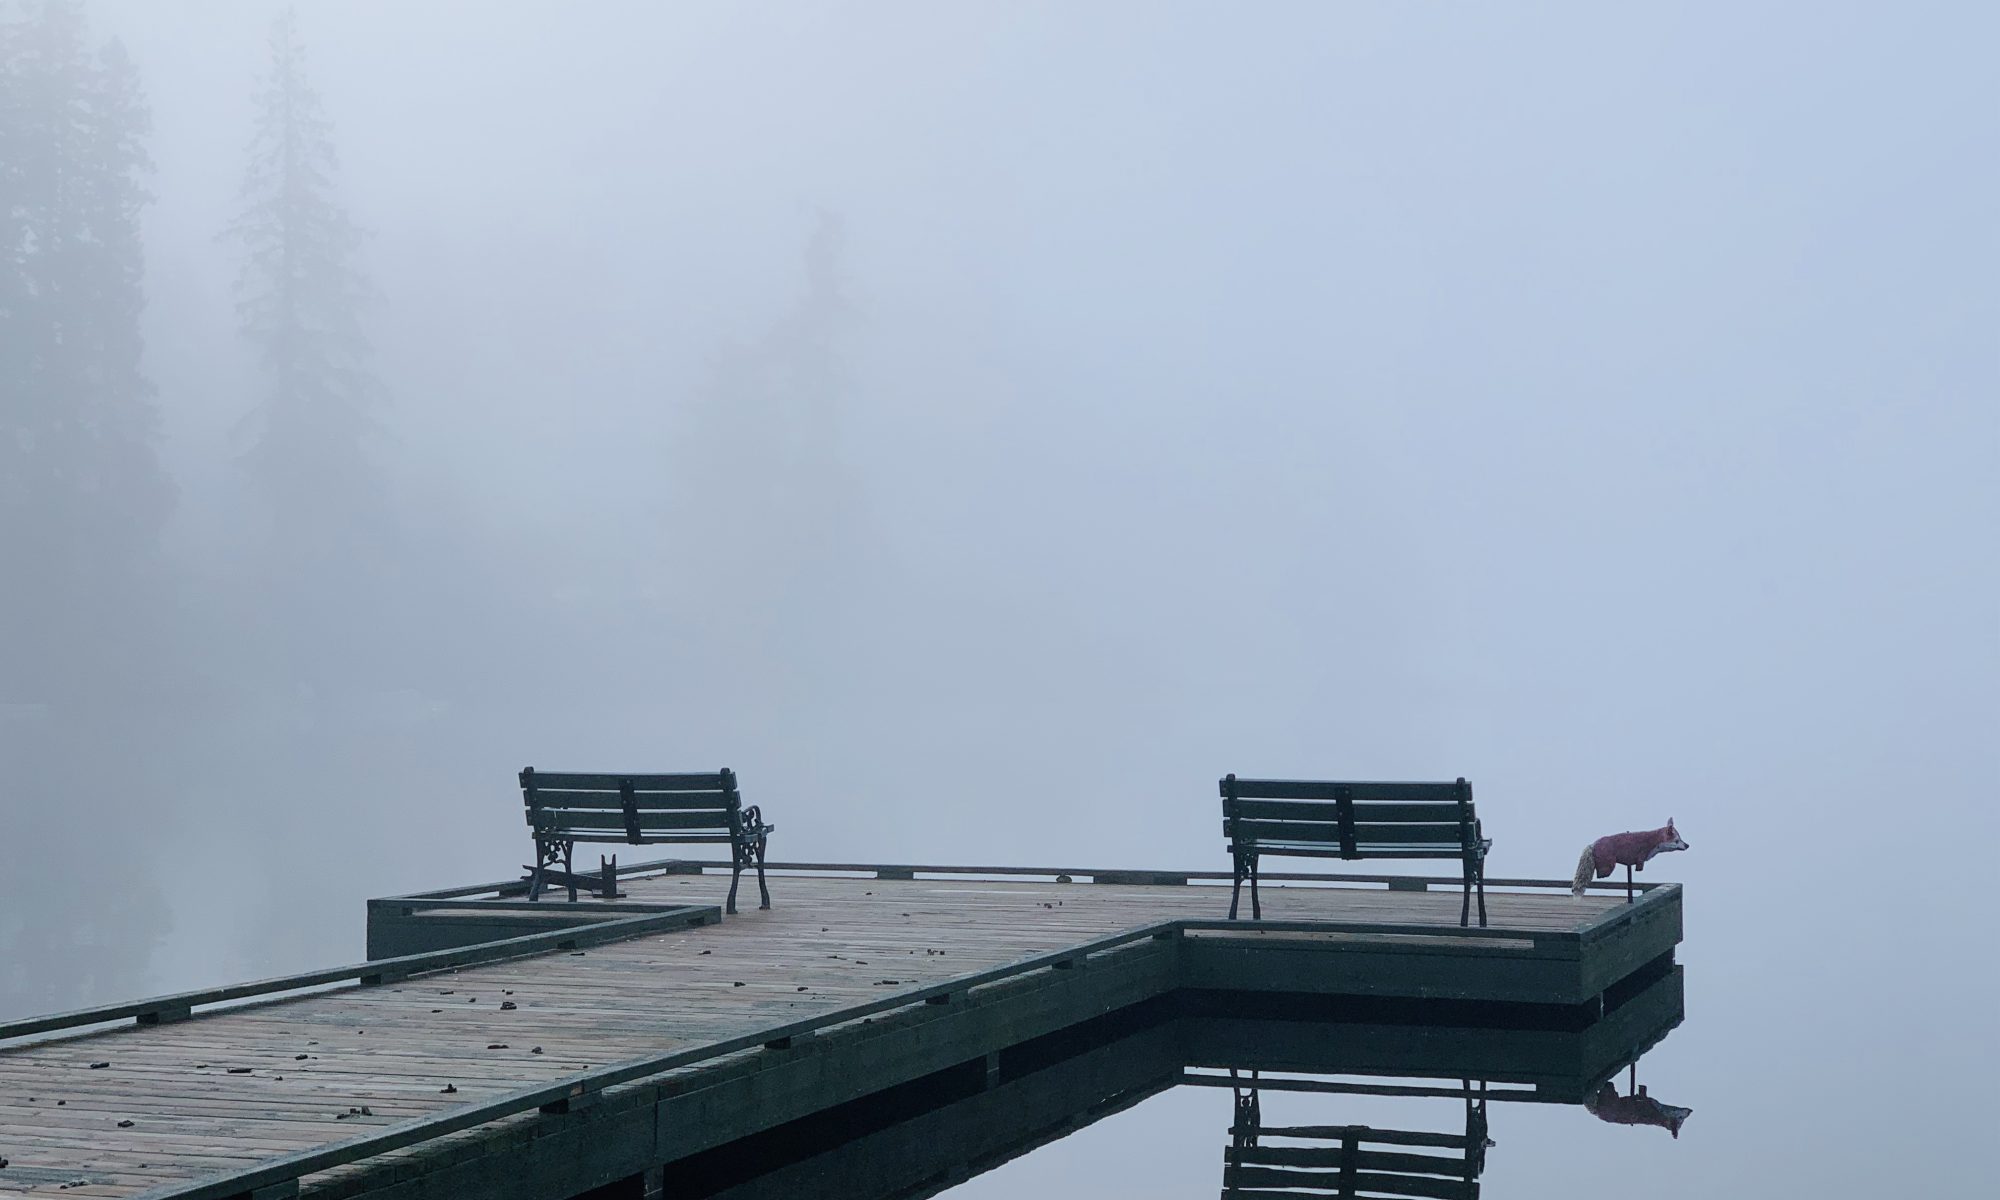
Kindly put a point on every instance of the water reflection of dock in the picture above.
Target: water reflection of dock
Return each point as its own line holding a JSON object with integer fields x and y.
{"x": 626, "y": 1045}
{"x": 1072, "y": 1083}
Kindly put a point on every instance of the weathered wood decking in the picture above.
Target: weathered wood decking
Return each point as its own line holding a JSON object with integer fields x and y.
{"x": 234, "y": 1088}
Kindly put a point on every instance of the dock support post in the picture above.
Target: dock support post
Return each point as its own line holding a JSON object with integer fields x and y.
{"x": 578, "y": 1097}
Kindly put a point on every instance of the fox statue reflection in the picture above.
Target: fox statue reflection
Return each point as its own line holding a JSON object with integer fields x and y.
{"x": 1636, "y": 1109}
{"x": 1266, "y": 1159}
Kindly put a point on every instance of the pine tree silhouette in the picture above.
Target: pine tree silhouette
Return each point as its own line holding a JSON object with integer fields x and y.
{"x": 326, "y": 528}
{"x": 83, "y": 495}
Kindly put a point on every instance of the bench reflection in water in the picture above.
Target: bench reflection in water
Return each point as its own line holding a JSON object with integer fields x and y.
{"x": 1348, "y": 1160}
{"x": 927, "y": 1138}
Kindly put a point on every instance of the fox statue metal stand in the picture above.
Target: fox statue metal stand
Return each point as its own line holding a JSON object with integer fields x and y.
{"x": 1628, "y": 850}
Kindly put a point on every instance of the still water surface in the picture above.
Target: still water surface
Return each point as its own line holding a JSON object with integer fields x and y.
{"x": 1270, "y": 1097}
{"x": 1810, "y": 1056}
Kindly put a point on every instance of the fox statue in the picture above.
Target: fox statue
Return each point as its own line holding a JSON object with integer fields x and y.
{"x": 1607, "y": 854}
{"x": 1636, "y": 1109}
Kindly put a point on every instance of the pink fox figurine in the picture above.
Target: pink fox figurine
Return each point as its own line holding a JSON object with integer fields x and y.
{"x": 1636, "y": 1109}
{"x": 1607, "y": 854}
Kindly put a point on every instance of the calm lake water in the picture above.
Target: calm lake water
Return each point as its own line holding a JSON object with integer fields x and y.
{"x": 1838, "y": 1036}
{"x": 1179, "y": 1142}
{"x": 1269, "y": 1097}
{"x": 1864, "y": 1074}
{"x": 1803, "y": 1047}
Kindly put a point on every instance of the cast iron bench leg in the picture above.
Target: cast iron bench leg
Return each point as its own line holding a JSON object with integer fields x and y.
{"x": 1475, "y": 881}
{"x": 735, "y": 876}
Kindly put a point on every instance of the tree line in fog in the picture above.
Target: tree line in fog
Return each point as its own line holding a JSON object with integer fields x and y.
{"x": 99, "y": 615}
{"x": 162, "y": 692}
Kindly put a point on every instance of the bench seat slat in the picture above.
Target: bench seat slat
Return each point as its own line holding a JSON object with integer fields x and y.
{"x": 714, "y": 795}
{"x": 646, "y": 837}
{"x": 614, "y": 831}
{"x": 702, "y": 781}
{"x": 1333, "y": 1156}
{"x": 583, "y": 802}
{"x": 644, "y": 799}
{"x": 1369, "y": 812}
{"x": 1332, "y": 850}
{"x": 1358, "y": 791}
{"x": 1363, "y": 1133}
{"x": 1312, "y": 831}
{"x": 572, "y": 818}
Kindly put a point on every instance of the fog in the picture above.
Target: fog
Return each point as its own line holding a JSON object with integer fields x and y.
{"x": 984, "y": 425}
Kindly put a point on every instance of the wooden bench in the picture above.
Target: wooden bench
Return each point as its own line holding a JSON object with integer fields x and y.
{"x": 1349, "y": 1160}
{"x": 1332, "y": 819}
{"x": 567, "y": 807}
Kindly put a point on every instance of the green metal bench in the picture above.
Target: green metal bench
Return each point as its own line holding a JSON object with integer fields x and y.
{"x": 567, "y": 807}
{"x": 1333, "y": 819}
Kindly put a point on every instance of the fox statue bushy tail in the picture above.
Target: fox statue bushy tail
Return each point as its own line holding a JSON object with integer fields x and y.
{"x": 1586, "y": 868}
{"x": 1607, "y": 854}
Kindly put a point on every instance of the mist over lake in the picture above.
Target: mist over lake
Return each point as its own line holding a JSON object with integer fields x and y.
{"x": 984, "y": 426}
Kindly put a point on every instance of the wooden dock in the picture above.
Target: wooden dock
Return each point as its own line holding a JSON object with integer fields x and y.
{"x": 637, "y": 1033}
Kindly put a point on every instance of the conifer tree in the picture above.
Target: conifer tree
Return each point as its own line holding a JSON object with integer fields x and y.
{"x": 762, "y": 494}
{"x": 83, "y": 501}
{"x": 83, "y": 495}
{"x": 300, "y": 296}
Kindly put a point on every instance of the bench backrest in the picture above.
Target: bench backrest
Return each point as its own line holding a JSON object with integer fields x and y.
{"x": 1354, "y": 819}
{"x": 600, "y": 807}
